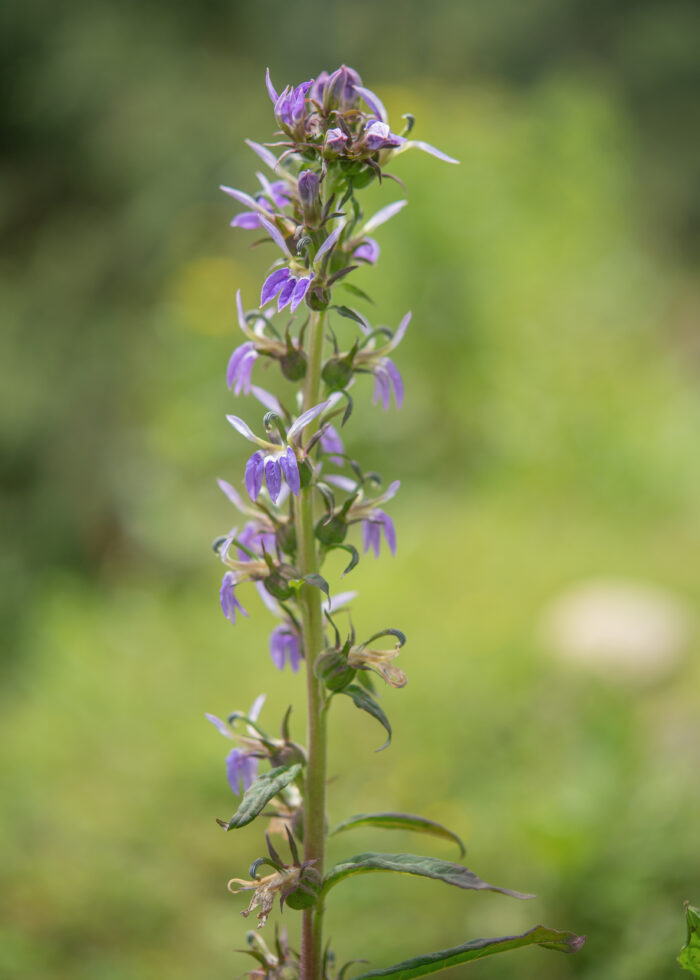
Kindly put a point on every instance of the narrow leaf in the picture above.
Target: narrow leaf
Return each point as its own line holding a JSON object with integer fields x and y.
{"x": 260, "y": 793}
{"x": 414, "y": 864}
{"x": 356, "y": 291}
{"x": 689, "y": 956}
{"x": 420, "y": 966}
{"x": 400, "y": 821}
{"x": 351, "y": 314}
{"x": 352, "y": 551}
{"x": 364, "y": 702}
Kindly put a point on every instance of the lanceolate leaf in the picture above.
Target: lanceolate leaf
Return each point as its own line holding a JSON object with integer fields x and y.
{"x": 413, "y": 864}
{"x": 260, "y": 793}
{"x": 367, "y": 703}
{"x": 689, "y": 956}
{"x": 420, "y": 966}
{"x": 400, "y": 821}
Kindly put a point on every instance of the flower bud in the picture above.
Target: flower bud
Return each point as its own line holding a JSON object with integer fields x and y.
{"x": 332, "y": 532}
{"x": 310, "y": 197}
{"x": 339, "y": 90}
{"x": 337, "y": 372}
{"x": 307, "y": 891}
{"x": 286, "y": 538}
{"x": 288, "y": 755}
{"x": 336, "y": 141}
{"x": 293, "y": 364}
{"x": 278, "y": 586}
{"x": 332, "y": 668}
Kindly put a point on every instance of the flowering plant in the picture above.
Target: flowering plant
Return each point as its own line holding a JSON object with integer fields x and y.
{"x": 303, "y": 494}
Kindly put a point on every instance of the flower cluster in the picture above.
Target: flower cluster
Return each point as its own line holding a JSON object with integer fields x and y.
{"x": 301, "y": 495}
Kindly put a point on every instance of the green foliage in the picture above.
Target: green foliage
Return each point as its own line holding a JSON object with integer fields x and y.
{"x": 420, "y": 966}
{"x": 365, "y": 702}
{"x": 689, "y": 956}
{"x": 413, "y": 864}
{"x": 257, "y": 796}
{"x": 400, "y": 821}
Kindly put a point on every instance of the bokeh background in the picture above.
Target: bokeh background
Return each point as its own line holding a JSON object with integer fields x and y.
{"x": 549, "y": 441}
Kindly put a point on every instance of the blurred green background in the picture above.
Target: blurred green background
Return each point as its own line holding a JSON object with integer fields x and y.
{"x": 549, "y": 438}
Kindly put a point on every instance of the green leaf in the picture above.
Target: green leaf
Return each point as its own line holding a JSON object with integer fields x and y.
{"x": 351, "y": 314}
{"x": 352, "y": 551}
{"x": 400, "y": 821}
{"x": 689, "y": 956}
{"x": 260, "y": 793}
{"x": 356, "y": 291}
{"x": 419, "y": 966}
{"x": 414, "y": 864}
{"x": 365, "y": 702}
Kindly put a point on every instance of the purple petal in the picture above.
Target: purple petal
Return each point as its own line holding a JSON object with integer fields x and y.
{"x": 384, "y": 214}
{"x": 309, "y": 415}
{"x": 293, "y": 652}
{"x": 374, "y": 102}
{"x": 292, "y": 473}
{"x": 244, "y": 198}
{"x": 342, "y": 482}
{"x": 401, "y": 330}
{"x": 247, "y": 220}
{"x": 277, "y": 644}
{"x": 234, "y": 764}
{"x": 241, "y": 427}
{"x": 267, "y": 399}
{"x": 219, "y": 724}
{"x": 265, "y": 155}
{"x": 331, "y": 441}
{"x": 254, "y": 475}
{"x": 273, "y": 478}
{"x": 256, "y": 707}
{"x": 235, "y": 362}
{"x": 381, "y": 388}
{"x": 395, "y": 380}
{"x": 367, "y": 251}
{"x": 249, "y": 771}
{"x": 271, "y": 91}
{"x": 245, "y": 370}
{"x": 232, "y": 494}
{"x": 275, "y": 234}
{"x": 366, "y": 534}
{"x": 329, "y": 242}
{"x": 273, "y": 284}
{"x": 427, "y": 148}
{"x": 389, "y": 531}
{"x": 299, "y": 292}
{"x": 286, "y": 293}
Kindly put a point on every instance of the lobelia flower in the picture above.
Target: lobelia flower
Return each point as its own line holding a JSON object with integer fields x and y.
{"x": 387, "y": 378}
{"x": 372, "y": 528}
{"x": 375, "y": 521}
{"x": 273, "y": 195}
{"x": 274, "y": 462}
{"x": 379, "y": 661}
{"x": 335, "y": 142}
{"x": 285, "y": 648}
{"x": 310, "y": 197}
{"x": 240, "y": 366}
{"x": 227, "y": 597}
{"x": 332, "y": 444}
{"x": 363, "y": 247}
{"x": 290, "y": 105}
{"x": 378, "y": 136}
{"x": 242, "y": 763}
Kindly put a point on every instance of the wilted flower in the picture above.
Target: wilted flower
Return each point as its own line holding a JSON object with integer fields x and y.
{"x": 362, "y": 657}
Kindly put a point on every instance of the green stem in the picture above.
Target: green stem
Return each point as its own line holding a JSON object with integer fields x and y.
{"x": 312, "y": 625}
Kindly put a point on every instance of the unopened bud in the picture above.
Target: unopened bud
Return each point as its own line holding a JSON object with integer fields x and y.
{"x": 293, "y": 364}
{"x": 337, "y": 372}
{"x": 331, "y": 532}
{"x": 310, "y": 197}
{"x": 278, "y": 586}
{"x": 332, "y": 668}
{"x": 307, "y": 891}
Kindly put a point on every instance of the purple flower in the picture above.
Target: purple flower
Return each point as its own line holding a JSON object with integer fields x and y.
{"x": 272, "y": 468}
{"x": 372, "y": 528}
{"x": 227, "y": 598}
{"x": 335, "y": 140}
{"x": 240, "y": 367}
{"x": 367, "y": 251}
{"x": 256, "y": 539}
{"x": 284, "y": 647}
{"x": 337, "y": 90}
{"x": 241, "y": 764}
{"x": 275, "y": 194}
{"x": 290, "y": 106}
{"x": 378, "y": 136}
{"x": 387, "y": 378}
{"x": 241, "y": 768}
{"x": 289, "y": 288}
{"x": 331, "y": 443}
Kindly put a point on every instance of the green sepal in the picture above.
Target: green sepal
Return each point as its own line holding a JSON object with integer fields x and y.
{"x": 689, "y": 956}
{"x": 414, "y": 864}
{"x": 319, "y": 582}
{"x": 400, "y": 821}
{"x": 364, "y": 702}
{"x": 260, "y": 793}
{"x": 351, "y": 550}
{"x": 420, "y": 966}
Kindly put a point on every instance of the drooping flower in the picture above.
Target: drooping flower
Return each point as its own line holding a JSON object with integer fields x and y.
{"x": 284, "y": 647}
{"x": 387, "y": 378}
{"x": 242, "y": 763}
{"x": 228, "y": 599}
{"x": 372, "y": 528}
{"x": 332, "y": 444}
{"x": 375, "y": 521}
{"x": 274, "y": 462}
{"x": 240, "y": 368}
